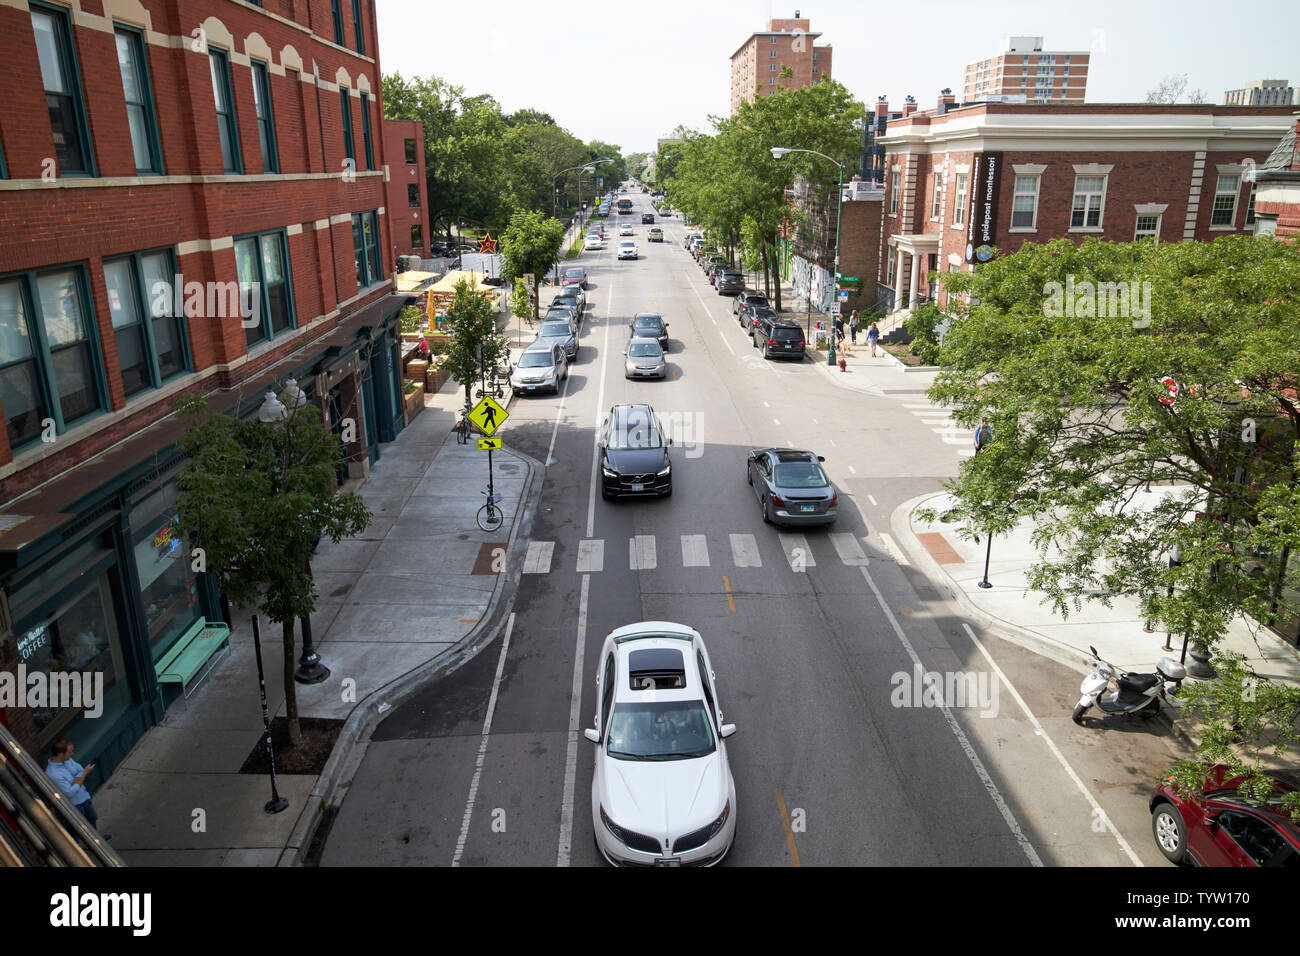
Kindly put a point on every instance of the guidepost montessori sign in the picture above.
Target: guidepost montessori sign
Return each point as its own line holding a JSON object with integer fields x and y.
{"x": 982, "y": 217}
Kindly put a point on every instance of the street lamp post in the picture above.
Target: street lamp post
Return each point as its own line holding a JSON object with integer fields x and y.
{"x": 777, "y": 153}
{"x": 555, "y": 186}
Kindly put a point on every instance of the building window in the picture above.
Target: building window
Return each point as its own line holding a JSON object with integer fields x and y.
{"x": 410, "y": 151}
{"x": 148, "y": 333}
{"x": 773, "y": 39}
{"x": 959, "y": 199}
{"x": 413, "y": 195}
{"x": 889, "y": 268}
{"x": 1225, "y": 200}
{"x": 229, "y": 129}
{"x": 265, "y": 118}
{"x": 140, "y": 116}
{"x": 365, "y": 246}
{"x": 772, "y": 68}
{"x": 365, "y": 130}
{"x": 261, "y": 263}
{"x": 337, "y": 10}
{"x": 938, "y": 195}
{"x": 1086, "y": 210}
{"x": 1147, "y": 227}
{"x": 1250, "y": 207}
{"x": 771, "y": 53}
{"x": 49, "y": 363}
{"x": 356, "y": 27}
{"x": 1024, "y": 205}
{"x": 345, "y": 111}
{"x": 62, "y": 83}
{"x": 417, "y": 237}
{"x": 893, "y": 194}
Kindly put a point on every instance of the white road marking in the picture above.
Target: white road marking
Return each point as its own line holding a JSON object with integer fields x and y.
{"x": 765, "y": 405}
{"x": 874, "y": 502}
{"x": 776, "y": 421}
{"x": 600, "y": 404}
{"x": 893, "y": 549}
{"x": 847, "y": 547}
{"x": 927, "y": 406}
{"x": 641, "y": 552}
{"x": 814, "y": 420}
{"x": 695, "y": 551}
{"x": 571, "y": 750}
{"x": 832, "y": 441}
{"x": 744, "y": 551}
{"x": 938, "y": 421}
{"x": 482, "y": 744}
{"x": 989, "y": 786}
{"x": 966, "y": 452}
{"x": 538, "y": 559}
{"x": 1097, "y": 811}
{"x": 797, "y": 553}
{"x": 853, "y": 470}
{"x": 591, "y": 555}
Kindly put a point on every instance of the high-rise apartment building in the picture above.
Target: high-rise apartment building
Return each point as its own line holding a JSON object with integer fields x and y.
{"x": 1264, "y": 93}
{"x": 757, "y": 67}
{"x": 1024, "y": 69}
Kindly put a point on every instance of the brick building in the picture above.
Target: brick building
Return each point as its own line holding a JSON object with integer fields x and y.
{"x": 757, "y": 63}
{"x": 1277, "y": 188}
{"x": 193, "y": 201}
{"x": 1028, "y": 73}
{"x": 965, "y": 183}
{"x": 408, "y": 191}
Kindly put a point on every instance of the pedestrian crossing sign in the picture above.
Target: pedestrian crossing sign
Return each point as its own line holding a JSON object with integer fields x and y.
{"x": 489, "y": 444}
{"x": 488, "y": 415}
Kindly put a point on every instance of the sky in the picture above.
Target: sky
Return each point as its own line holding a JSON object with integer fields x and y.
{"x": 654, "y": 65}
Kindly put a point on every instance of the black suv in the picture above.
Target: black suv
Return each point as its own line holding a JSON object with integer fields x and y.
{"x": 729, "y": 281}
{"x": 647, "y": 217}
{"x": 777, "y": 336}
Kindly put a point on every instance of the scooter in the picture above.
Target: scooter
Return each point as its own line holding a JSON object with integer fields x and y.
{"x": 1133, "y": 693}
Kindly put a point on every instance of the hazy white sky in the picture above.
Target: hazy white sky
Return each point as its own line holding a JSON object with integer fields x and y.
{"x": 664, "y": 62}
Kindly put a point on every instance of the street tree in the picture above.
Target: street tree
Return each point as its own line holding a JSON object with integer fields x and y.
{"x": 474, "y": 336}
{"x": 256, "y": 497}
{"x": 531, "y": 244}
{"x": 1106, "y": 369}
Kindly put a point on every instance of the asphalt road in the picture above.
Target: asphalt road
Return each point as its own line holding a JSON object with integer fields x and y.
{"x": 810, "y": 642}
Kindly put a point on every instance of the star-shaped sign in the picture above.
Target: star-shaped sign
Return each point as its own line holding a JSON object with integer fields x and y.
{"x": 487, "y": 244}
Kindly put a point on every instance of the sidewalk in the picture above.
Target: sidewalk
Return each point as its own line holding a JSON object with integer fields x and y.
{"x": 409, "y": 598}
{"x": 1021, "y": 617}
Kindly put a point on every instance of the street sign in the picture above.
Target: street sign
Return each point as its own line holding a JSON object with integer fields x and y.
{"x": 488, "y": 415}
{"x": 489, "y": 444}
{"x": 835, "y": 308}
{"x": 842, "y": 296}
{"x": 848, "y": 278}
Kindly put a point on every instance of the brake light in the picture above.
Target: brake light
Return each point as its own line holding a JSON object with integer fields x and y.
{"x": 771, "y": 341}
{"x": 776, "y": 500}
{"x": 835, "y": 498}
{"x": 802, "y": 343}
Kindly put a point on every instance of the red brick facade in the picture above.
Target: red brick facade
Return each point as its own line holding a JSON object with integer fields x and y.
{"x": 401, "y": 176}
{"x": 193, "y": 208}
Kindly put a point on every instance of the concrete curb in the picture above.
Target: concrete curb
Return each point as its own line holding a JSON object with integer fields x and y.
{"x": 350, "y": 749}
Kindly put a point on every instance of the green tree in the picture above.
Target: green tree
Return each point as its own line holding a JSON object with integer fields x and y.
{"x": 474, "y": 336}
{"x": 1064, "y": 355}
{"x": 256, "y": 497}
{"x": 531, "y": 243}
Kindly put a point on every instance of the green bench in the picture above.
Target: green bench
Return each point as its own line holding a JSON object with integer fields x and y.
{"x": 195, "y": 650}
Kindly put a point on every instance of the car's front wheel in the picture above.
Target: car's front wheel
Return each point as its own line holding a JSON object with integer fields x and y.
{"x": 1170, "y": 833}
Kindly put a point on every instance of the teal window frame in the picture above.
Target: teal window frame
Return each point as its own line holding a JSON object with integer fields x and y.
{"x": 366, "y": 256}
{"x": 265, "y": 124}
{"x": 139, "y": 52}
{"x": 345, "y": 111}
{"x": 230, "y": 119}
{"x": 268, "y": 331}
{"x": 357, "y": 27}
{"x": 71, "y": 71}
{"x": 42, "y": 354}
{"x": 365, "y": 130}
{"x": 144, "y": 300}
{"x": 337, "y": 10}
{"x": 4, "y": 169}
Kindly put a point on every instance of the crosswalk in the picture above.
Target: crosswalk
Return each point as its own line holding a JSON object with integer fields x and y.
{"x": 737, "y": 551}
{"x": 945, "y": 427}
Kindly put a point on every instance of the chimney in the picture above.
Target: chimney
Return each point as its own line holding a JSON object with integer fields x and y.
{"x": 882, "y": 106}
{"x": 946, "y": 99}
{"x": 909, "y": 106}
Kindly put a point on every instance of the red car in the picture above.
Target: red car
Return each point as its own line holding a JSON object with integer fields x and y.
{"x": 1220, "y": 827}
{"x": 575, "y": 275}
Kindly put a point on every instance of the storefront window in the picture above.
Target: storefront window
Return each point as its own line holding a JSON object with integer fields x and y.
{"x": 168, "y": 588}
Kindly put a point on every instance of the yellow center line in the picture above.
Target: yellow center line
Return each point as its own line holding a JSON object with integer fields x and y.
{"x": 730, "y": 600}
{"x": 789, "y": 834}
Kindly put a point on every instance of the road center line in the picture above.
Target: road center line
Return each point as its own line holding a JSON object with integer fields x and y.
{"x": 731, "y": 601}
{"x": 789, "y": 834}
{"x": 482, "y": 744}
{"x": 571, "y": 750}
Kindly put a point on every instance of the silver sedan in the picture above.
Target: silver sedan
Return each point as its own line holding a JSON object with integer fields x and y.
{"x": 791, "y": 486}
{"x": 645, "y": 359}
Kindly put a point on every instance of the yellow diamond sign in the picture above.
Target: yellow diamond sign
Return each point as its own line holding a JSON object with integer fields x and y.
{"x": 488, "y": 415}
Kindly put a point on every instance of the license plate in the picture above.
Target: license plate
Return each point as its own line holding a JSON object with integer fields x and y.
{"x": 668, "y": 861}
{"x": 808, "y": 507}
{"x": 638, "y": 487}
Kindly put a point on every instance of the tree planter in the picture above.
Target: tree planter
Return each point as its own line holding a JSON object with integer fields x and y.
{"x": 434, "y": 379}
{"x": 413, "y": 404}
{"x": 415, "y": 370}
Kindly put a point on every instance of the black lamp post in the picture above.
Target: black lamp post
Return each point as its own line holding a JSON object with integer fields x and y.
{"x": 988, "y": 553}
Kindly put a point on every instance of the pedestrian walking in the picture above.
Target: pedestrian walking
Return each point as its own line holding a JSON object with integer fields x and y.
{"x": 70, "y": 778}
{"x": 983, "y": 435}
{"x": 839, "y": 328}
{"x": 873, "y": 336}
{"x": 853, "y": 326}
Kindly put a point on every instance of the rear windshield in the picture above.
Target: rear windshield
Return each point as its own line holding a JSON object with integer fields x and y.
{"x": 555, "y": 328}
{"x": 787, "y": 335}
{"x": 763, "y": 312}
{"x": 757, "y": 299}
{"x": 573, "y": 273}
{"x": 800, "y": 474}
{"x": 535, "y": 359}
{"x": 729, "y": 275}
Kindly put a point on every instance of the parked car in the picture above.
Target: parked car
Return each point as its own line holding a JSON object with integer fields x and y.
{"x": 729, "y": 282}
{"x": 747, "y": 298}
{"x": 690, "y": 239}
{"x": 645, "y": 359}
{"x": 593, "y": 242}
{"x": 575, "y": 275}
{"x": 573, "y": 297}
{"x": 647, "y": 217}
{"x": 543, "y": 365}
{"x": 559, "y": 331}
{"x": 791, "y": 486}
{"x": 712, "y": 264}
{"x": 563, "y": 312}
{"x": 650, "y": 325}
{"x": 778, "y": 337}
{"x": 634, "y": 453}
{"x": 655, "y": 235}
{"x": 1220, "y": 827}
{"x": 751, "y": 315}
{"x": 662, "y": 792}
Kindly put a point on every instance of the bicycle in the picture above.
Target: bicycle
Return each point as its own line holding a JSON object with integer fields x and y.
{"x": 489, "y": 516}
{"x": 462, "y": 429}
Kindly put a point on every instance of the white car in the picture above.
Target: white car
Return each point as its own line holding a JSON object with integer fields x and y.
{"x": 627, "y": 249}
{"x": 594, "y": 242}
{"x": 662, "y": 793}
{"x": 625, "y": 229}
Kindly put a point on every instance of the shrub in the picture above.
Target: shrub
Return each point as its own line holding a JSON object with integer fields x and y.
{"x": 921, "y": 327}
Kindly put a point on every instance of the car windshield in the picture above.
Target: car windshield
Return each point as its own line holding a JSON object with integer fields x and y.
{"x": 800, "y": 474}
{"x": 573, "y": 273}
{"x": 552, "y": 329}
{"x": 644, "y": 350}
{"x": 660, "y": 730}
{"x": 655, "y": 324}
{"x": 636, "y": 431}
{"x": 535, "y": 359}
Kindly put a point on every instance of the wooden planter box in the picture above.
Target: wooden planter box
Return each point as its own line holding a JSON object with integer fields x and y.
{"x": 412, "y": 337}
{"x": 413, "y": 404}
{"x": 434, "y": 379}
{"x": 415, "y": 370}
{"x": 434, "y": 338}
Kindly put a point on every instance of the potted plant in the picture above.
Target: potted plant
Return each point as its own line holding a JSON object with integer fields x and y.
{"x": 413, "y": 399}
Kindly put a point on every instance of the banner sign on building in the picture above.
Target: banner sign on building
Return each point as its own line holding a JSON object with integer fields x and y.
{"x": 982, "y": 217}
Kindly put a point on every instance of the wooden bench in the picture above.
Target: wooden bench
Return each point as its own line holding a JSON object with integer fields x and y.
{"x": 195, "y": 650}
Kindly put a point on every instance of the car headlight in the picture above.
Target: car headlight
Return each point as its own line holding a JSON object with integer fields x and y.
{"x": 611, "y": 826}
{"x": 719, "y": 823}
{"x": 664, "y": 470}
{"x": 608, "y": 472}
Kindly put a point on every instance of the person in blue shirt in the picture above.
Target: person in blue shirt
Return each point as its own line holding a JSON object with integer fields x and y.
{"x": 70, "y": 777}
{"x": 983, "y": 435}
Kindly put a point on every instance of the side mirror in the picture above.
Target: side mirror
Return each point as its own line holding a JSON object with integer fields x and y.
{"x": 670, "y": 441}
{"x": 594, "y": 735}
{"x": 820, "y": 458}
{"x": 727, "y": 730}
